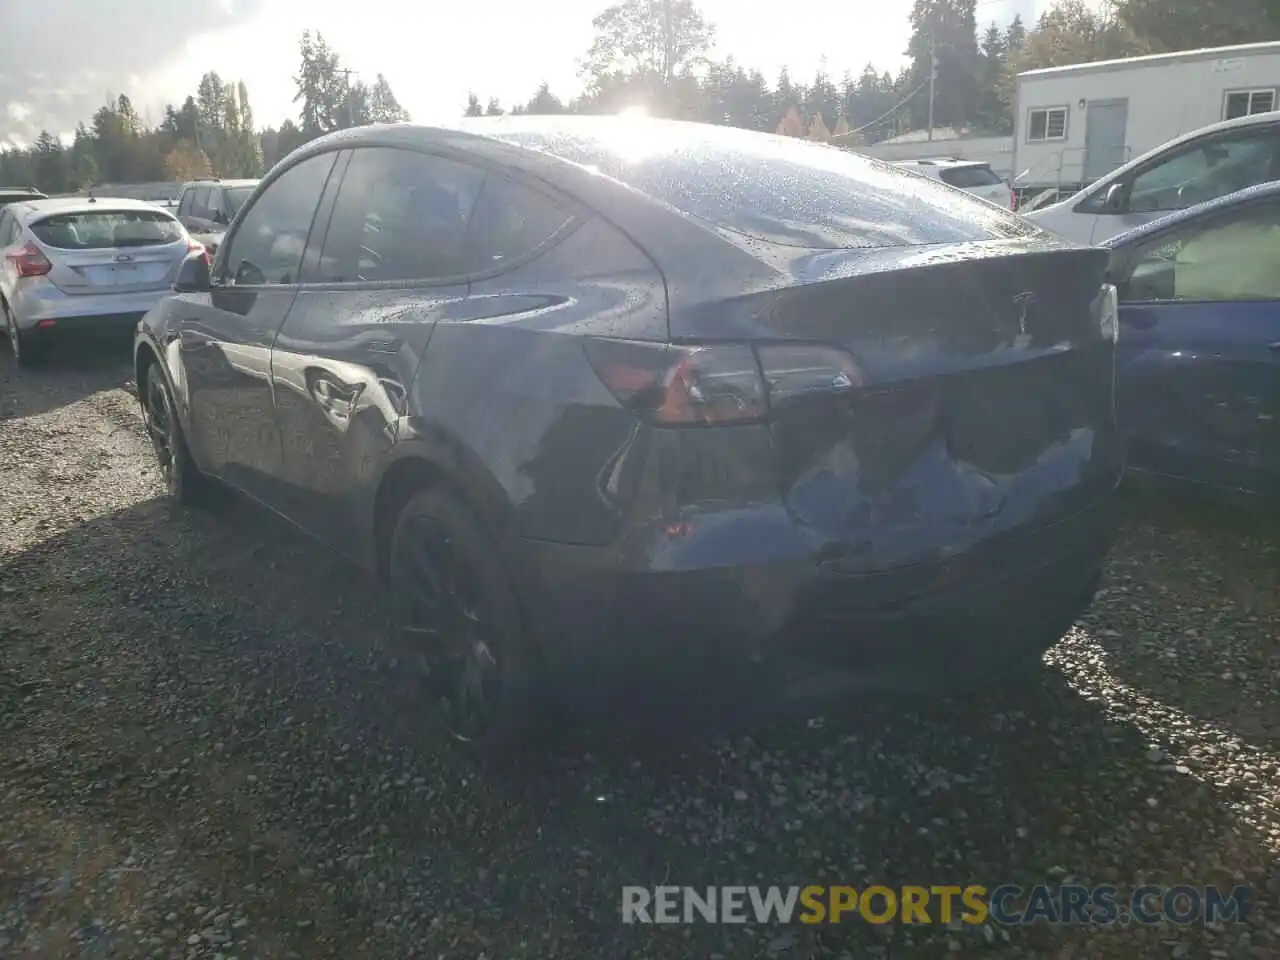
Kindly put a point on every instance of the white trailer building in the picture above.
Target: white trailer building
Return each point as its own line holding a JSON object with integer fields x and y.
{"x": 1075, "y": 124}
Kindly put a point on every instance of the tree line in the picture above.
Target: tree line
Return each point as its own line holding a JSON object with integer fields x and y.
{"x": 657, "y": 54}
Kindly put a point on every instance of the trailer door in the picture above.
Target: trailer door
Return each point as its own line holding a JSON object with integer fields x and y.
{"x": 1106, "y": 125}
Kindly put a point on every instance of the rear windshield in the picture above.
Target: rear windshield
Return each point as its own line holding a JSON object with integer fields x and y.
{"x": 966, "y": 177}
{"x": 102, "y": 229}
{"x": 236, "y": 196}
{"x": 779, "y": 189}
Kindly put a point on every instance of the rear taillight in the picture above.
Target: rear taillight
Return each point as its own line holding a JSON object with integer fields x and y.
{"x": 679, "y": 385}
{"x": 195, "y": 246}
{"x": 29, "y": 261}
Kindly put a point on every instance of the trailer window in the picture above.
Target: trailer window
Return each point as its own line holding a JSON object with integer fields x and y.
{"x": 1245, "y": 103}
{"x": 1049, "y": 123}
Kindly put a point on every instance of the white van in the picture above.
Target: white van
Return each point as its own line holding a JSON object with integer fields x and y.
{"x": 972, "y": 176}
{"x": 1198, "y": 166}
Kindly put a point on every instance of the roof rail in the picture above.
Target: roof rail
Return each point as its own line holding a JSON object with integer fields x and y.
{"x": 215, "y": 179}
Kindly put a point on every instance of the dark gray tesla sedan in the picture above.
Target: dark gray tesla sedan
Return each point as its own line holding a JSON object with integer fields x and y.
{"x": 618, "y": 405}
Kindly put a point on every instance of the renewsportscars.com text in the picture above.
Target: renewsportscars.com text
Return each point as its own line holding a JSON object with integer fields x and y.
{"x": 1006, "y": 905}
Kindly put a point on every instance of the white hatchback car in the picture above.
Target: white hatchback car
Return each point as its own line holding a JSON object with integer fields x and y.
{"x": 971, "y": 176}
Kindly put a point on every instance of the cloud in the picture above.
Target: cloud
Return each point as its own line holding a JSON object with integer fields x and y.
{"x": 61, "y": 59}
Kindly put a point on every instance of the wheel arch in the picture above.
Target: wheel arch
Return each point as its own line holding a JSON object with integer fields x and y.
{"x": 144, "y": 355}
{"x": 417, "y": 464}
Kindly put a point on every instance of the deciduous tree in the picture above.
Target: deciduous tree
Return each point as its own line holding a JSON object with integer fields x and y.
{"x": 186, "y": 162}
{"x": 652, "y": 41}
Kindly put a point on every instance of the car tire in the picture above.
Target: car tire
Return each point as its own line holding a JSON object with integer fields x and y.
{"x": 182, "y": 478}
{"x": 26, "y": 353}
{"x": 459, "y": 622}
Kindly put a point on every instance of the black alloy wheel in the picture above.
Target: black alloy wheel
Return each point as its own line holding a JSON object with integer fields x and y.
{"x": 182, "y": 478}
{"x": 459, "y": 622}
{"x": 158, "y": 415}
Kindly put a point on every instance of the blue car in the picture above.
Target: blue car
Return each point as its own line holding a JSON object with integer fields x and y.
{"x": 1199, "y": 351}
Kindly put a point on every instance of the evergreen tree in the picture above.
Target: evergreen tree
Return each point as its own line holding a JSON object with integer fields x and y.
{"x": 50, "y": 165}
{"x": 383, "y": 105}
{"x": 947, "y": 30}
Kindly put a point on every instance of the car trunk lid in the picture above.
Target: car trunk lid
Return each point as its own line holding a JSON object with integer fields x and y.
{"x": 985, "y": 399}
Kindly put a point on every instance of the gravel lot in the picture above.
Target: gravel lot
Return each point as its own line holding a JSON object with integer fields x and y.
{"x": 204, "y": 752}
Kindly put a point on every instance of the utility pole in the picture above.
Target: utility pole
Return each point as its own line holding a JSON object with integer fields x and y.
{"x": 346, "y": 93}
{"x": 668, "y": 44}
{"x": 933, "y": 77}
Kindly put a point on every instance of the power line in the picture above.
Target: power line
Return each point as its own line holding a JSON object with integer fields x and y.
{"x": 892, "y": 110}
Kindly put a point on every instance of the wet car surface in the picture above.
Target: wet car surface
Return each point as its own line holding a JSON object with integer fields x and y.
{"x": 657, "y": 403}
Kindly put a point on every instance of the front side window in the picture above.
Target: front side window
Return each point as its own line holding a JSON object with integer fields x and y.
{"x": 235, "y": 198}
{"x": 200, "y": 203}
{"x": 267, "y": 246}
{"x": 1046, "y": 124}
{"x": 217, "y": 200}
{"x": 1245, "y": 103}
{"x": 1206, "y": 171}
{"x": 399, "y": 215}
{"x": 1228, "y": 260}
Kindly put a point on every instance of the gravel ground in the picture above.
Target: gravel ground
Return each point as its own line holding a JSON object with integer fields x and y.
{"x": 203, "y": 753}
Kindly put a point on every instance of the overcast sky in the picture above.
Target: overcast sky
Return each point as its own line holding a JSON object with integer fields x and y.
{"x": 60, "y": 59}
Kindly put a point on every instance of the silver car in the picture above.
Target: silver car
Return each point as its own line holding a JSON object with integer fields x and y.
{"x": 80, "y": 265}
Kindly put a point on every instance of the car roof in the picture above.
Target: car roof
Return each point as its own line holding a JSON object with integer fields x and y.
{"x": 1248, "y": 195}
{"x": 503, "y": 130}
{"x": 31, "y": 209}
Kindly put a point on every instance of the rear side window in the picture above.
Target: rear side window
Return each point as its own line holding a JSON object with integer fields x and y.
{"x": 966, "y": 177}
{"x": 508, "y": 222}
{"x": 400, "y": 215}
{"x": 184, "y": 204}
{"x": 774, "y": 188}
{"x": 103, "y": 229}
